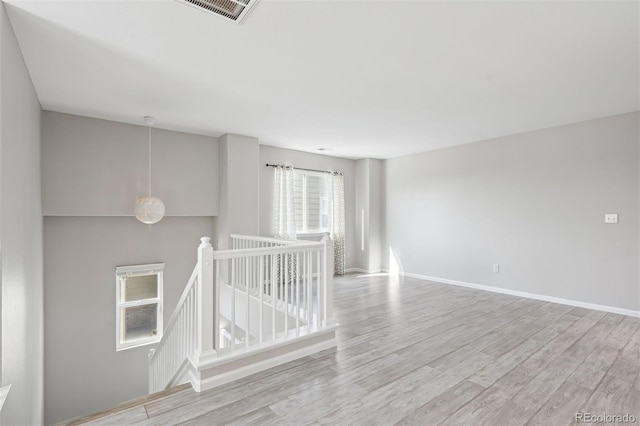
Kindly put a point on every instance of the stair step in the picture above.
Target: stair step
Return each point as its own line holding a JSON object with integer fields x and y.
{"x": 126, "y": 405}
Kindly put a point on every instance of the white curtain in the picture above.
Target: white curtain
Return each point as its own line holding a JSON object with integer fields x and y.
{"x": 284, "y": 212}
{"x": 337, "y": 222}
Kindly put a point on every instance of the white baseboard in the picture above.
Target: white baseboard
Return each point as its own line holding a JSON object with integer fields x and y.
{"x": 604, "y": 308}
{"x": 362, "y": 271}
{"x": 221, "y": 379}
{"x": 229, "y": 369}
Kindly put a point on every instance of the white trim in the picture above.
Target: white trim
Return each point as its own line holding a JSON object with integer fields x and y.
{"x": 141, "y": 302}
{"x": 363, "y": 271}
{"x": 281, "y": 241}
{"x": 267, "y": 347}
{"x": 604, "y": 308}
{"x": 310, "y": 234}
{"x": 144, "y": 341}
{"x": 200, "y": 385}
{"x": 193, "y": 368}
{"x": 308, "y": 344}
{"x": 252, "y": 252}
{"x": 205, "y": 358}
{"x": 130, "y": 271}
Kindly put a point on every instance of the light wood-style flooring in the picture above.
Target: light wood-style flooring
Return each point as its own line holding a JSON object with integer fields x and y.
{"x": 417, "y": 352}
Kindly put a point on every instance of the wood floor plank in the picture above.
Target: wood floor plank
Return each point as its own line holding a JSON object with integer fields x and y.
{"x": 627, "y": 363}
{"x": 536, "y": 364}
{"x": 388, "y": 375}
{"x": 130, "y": 415}
{"x": 513, "y": 338}
{"x": 507, "y": 413}
{"x": 535, "y": 393}
{"x": 261, "y": 416}
{"x": 447, "y": 338}
{"x": 623, "y": 331}
{"x": 457, "y": 358}
{"x": 616, "y": 393}
{"x": 563, "y": 404}
{"x": 401, "y": 405}
{"x": 488, "y": 375}
{"x": 326, "y": 395}
{"x": 479, "y": 408}
{"x": 408, "y": 389}
{"x": 613, "y": 395}
{"x": 440, "y": 407}
{"x": 416, "y": 352}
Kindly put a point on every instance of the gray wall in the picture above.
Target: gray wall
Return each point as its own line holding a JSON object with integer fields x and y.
{"x": 20, "y": 236}
{"x": 93, "y": 172}
{"x": 272, "y": 155}
{"x": 84, "y": 157}
{"x": 83, "y": 372}
{"x": 239, "y": 186}
{"x": 533, "y": 203}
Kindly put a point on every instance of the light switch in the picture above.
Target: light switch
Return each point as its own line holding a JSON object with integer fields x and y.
{"x": 611, "y": 218}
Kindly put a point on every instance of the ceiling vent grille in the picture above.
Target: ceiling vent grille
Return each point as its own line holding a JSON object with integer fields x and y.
{"x": 232, "y": 10}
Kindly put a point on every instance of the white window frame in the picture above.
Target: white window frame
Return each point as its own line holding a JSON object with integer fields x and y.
{"x": 133, "y": 271}
{"x": 304, "y": 230}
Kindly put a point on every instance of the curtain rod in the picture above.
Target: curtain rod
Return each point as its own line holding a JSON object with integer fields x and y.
{"x": 300, "y": 168}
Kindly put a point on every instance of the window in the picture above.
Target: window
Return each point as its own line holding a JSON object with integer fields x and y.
{"x": 311, "y": 200}
{"x": 138, "y": 305}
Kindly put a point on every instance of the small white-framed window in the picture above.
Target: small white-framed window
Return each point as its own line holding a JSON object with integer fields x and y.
{"x": 311, "y": 201}
{"x": 138, "y": 305}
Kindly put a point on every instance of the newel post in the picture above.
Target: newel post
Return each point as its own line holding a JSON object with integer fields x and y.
{"x": 206, "y": 314}
{"x": 327, "y": 277}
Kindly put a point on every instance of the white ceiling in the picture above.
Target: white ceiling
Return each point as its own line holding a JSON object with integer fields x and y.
{"x": 363, "y": 78}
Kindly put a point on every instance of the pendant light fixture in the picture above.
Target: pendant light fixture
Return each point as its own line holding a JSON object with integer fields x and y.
{"x": 149, "y": 210}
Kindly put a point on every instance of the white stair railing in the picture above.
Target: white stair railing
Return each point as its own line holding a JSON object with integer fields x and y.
{"x": 182, "y": 335}
{"x": 241, "y": 242}
{"x": 179, "y": 340}
{"x": 273, "y": 289}
{"x": 260, "y": 293}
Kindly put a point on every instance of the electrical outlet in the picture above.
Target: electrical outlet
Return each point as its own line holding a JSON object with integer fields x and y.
{"x": 611, "y": 218}
{"x": 496, "y": 268}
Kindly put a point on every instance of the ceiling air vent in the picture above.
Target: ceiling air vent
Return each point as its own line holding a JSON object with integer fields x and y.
{"x": 232, "y": 10}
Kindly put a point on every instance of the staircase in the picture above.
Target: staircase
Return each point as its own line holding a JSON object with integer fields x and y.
{"x": 261, "y": 303}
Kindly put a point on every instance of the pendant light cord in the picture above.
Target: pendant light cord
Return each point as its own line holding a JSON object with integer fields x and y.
{"x": 149, "y": 161}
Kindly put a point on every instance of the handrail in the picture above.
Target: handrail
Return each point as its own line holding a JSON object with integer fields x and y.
{"x": 235, "y": 253}
{"x": 267, "y": 239}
